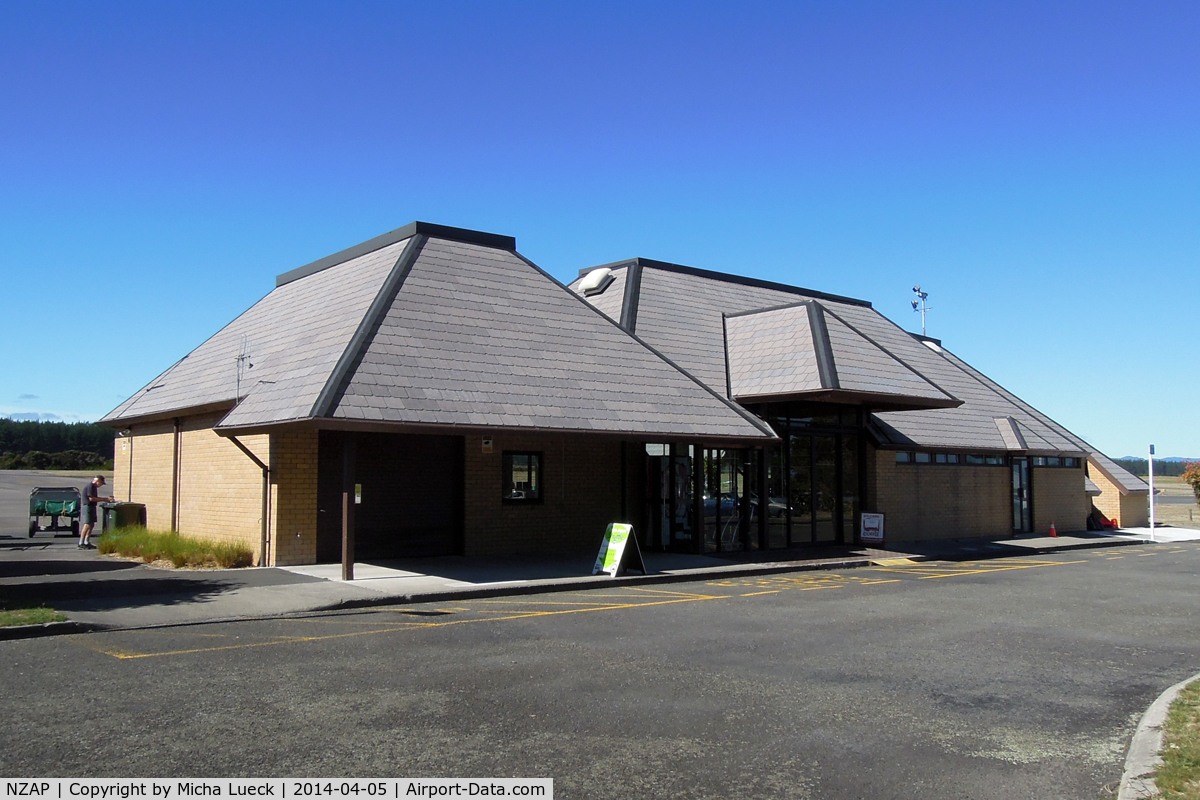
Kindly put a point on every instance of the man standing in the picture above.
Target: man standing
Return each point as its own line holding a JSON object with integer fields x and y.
{"x": 88, "y": 513}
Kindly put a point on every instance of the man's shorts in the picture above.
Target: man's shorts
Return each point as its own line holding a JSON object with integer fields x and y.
{"x": 88, "y": 514}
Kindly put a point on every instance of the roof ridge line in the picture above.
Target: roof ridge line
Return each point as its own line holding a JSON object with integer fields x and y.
{"x": 429, "y": 229}
{"x": 893, "y": 356}
{"x": 741, "y": 412}
{"x": 367, "y": 327}
{"x": 997, "y": 389}
{"x": 632, "y": 297}
{"x": 768, "y": 309}
{"x": 826, "y": 366}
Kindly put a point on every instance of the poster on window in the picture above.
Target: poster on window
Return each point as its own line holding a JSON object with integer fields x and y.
{"x": 619, "y": 551}
{"x": 872, "y": 528}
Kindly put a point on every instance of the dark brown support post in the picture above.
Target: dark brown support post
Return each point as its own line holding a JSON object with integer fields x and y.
{"x": 177, "y": 435}
{"x": 349, "y": 448}
{"x": 698, "y": 497}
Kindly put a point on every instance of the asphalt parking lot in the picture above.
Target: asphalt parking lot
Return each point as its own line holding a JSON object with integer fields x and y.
{"x": 1016, "y": 677}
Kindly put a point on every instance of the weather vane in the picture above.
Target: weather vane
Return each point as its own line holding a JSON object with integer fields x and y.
{"x": 919, "y": 305}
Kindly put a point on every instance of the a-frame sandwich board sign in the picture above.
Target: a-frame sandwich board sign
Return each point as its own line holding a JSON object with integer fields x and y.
{"x": 619, "y": 552}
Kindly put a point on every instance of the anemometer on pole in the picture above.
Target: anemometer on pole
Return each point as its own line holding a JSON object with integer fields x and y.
{"x": 919, "y": 305}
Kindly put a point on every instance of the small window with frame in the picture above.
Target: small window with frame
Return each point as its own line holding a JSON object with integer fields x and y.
{"x": 923, "y": 458}
{"x": 522, "y": 477}
{"x": 903, "y": 457}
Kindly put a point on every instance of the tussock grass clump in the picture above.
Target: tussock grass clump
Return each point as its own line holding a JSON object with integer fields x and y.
{"x": 1179, "y": 776}
{"x": 182, "y": 551}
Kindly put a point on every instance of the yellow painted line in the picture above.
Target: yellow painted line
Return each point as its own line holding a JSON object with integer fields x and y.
{"x": 121, "y": 654}
{"x": 1143, "y": 555}
{"x": 756, "y": 594}
{"x": 882, "y": 580}
{"x": 894, "y": 562}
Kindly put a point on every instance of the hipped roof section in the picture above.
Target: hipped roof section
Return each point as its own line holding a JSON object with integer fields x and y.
{"x": 429, "y": 327}
{"x": 805, "y": 351}
{"x": 683, "y": 312}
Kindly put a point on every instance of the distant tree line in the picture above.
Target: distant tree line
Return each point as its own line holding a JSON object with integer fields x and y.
{"x": 1141, "y": 466}
{"x": 55, "y": 445}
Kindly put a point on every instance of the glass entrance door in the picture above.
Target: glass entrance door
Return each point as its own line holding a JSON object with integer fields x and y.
{"x": 1022, "y": 511}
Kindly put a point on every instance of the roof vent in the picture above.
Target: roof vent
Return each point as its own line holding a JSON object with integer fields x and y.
{"x": 596, "y": 282}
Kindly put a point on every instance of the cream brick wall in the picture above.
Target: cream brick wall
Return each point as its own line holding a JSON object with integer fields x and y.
{"x": 1129, "y": 510}
{"x": 220, "y": 488}
{"x": 581, "y": 495}
{"x": 1059, "y": 497}
{"x": 939, "y": 501}
{"x": 294, "y": 497}
{"x": 142, "y": 471}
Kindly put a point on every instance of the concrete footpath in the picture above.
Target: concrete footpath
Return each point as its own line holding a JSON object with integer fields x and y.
{"x": 104, "y": 593}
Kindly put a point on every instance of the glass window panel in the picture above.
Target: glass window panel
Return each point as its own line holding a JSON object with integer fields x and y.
{"x": 522, "y": 476}
{"x": 922, "y": 458}
{"x": 973, "y": 459}
{"x": 1054, "y": 461}
{"x": 825, "y": 488}
{"x": 801, "y": 488}
{"x": 952, "y": 458}
{"x": 776, "y": 499}
{"x": 995, "y": 461}
{"x": 939, "y": 458}
{"x": 903, "y": 458}
{"x": 849, "y": 485}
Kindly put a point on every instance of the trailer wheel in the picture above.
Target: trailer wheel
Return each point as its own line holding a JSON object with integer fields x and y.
{"x": 33, "y": 527}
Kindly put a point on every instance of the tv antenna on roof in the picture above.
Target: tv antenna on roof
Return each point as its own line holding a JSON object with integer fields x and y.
{"x": 243, "y": 364}
{"x": 919, "y": 305}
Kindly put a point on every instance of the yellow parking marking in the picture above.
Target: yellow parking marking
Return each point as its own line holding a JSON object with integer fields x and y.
{"x": 124, "y": 654}
{"x": 490, "y": 610}
{"x": 893, "y": 562}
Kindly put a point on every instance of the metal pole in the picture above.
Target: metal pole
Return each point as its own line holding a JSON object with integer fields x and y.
{"x": 1152, "y": 493}
{"x": 348, "y": 458}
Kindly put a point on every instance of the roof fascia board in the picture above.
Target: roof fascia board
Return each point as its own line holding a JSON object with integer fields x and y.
{"x": 158, "y": 416}
{"x": 826, "y": 367}
{"x": 368, "y": 426}
{"x": 362, "y": 337}
{"x": 745, "y": 281}
{"x": 741, "y": 412}
{"x": 875, "y": 401}
{"x": 429, "y": 229}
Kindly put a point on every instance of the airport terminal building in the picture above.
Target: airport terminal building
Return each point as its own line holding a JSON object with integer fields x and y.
{"x": 432, "y": 392}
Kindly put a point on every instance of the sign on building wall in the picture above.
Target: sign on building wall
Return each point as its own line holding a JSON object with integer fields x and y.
{"x": 872, "y": 528}
{"x": 619, "y": 551}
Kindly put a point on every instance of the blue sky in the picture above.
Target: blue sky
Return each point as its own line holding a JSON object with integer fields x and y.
{"x": 1034, "y": 166}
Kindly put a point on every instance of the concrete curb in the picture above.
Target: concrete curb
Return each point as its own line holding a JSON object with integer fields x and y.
{"x": 47, "y": 629}
{"x": 1137, "y": 783}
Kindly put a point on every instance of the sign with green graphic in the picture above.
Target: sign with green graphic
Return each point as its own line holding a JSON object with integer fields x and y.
{"x": 619, "y": 551}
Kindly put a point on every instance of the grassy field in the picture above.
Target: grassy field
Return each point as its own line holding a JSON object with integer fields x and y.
{"x": 1179, "y": 776}
{"x": 1180, "y": 516}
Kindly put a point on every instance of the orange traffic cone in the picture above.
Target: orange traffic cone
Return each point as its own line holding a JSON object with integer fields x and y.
{"x": 1053, "y": 530}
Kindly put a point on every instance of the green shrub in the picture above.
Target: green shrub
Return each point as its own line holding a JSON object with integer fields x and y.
{"x": 182, "y": 551}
